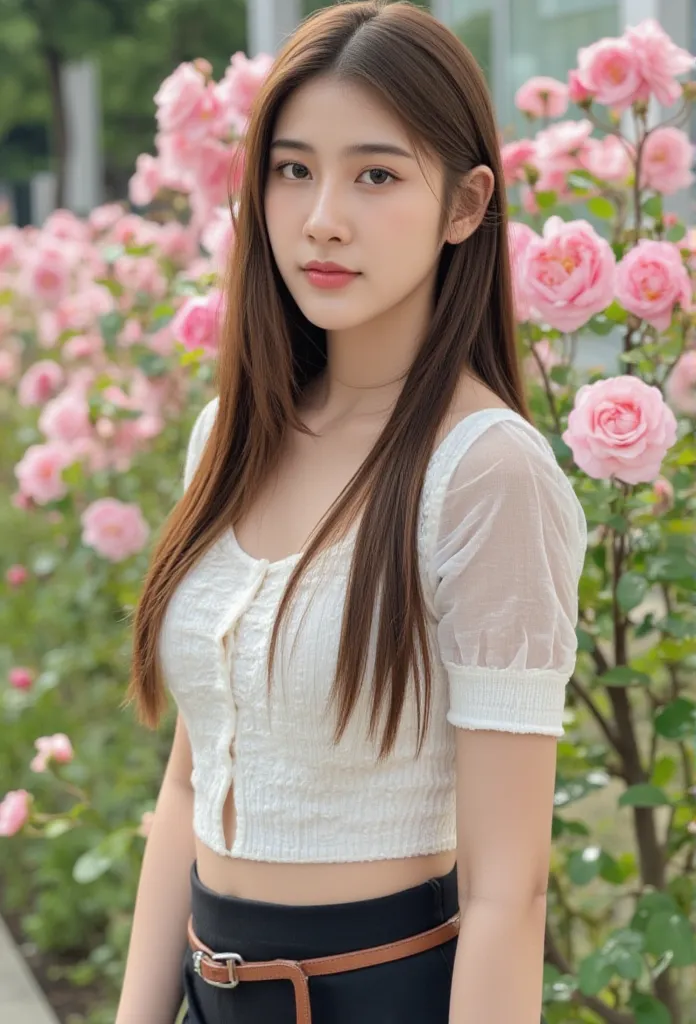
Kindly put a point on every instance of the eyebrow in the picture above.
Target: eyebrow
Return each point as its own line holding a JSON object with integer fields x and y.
{"x": 359, "y": 149}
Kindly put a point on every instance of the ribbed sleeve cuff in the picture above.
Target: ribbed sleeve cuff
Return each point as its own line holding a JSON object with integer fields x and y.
{"x": 527, "y": 701}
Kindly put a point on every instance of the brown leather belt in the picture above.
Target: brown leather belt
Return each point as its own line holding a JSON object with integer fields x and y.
{"x": 226, "y": 970}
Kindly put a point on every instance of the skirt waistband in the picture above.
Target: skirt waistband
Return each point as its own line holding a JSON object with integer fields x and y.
{"x": 261, "y": 931}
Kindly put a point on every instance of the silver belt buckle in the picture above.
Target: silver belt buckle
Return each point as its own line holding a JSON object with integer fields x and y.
{"x": 234, "y": 958}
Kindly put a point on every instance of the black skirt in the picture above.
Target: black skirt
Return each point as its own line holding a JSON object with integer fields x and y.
{"x": 415, "y": 990}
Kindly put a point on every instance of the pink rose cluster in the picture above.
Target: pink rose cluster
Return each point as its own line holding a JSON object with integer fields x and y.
{"x": 644, "y": 62}
{"x": 567, "y": 275}
{"x": 200, "y": 123}
{"x": 620, "y": 427}
{"x": 15, "y": 807}
{"x": 73, "y": 434}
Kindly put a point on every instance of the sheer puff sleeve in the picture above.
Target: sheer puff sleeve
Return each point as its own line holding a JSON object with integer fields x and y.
{"x": 199, "y": 434}
{"x": 510, "y": 546}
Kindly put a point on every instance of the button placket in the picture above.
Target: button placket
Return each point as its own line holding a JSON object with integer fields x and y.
{"x": 226, "y": 630}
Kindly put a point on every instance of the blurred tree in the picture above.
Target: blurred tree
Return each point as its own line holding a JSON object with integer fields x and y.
{"x": 137, "y": 43}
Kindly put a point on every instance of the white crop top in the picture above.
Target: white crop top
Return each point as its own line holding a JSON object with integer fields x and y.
{"x": 502, "y": 540}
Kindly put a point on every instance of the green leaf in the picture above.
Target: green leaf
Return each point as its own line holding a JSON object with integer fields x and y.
{"x": 583, "y": 865}
{"x": 624, "y": 675}
{"x": 677, "y": 720}
{"x": 560, "y": 448}
{"x": 621, "y": 954}
{"x": 664, "y": 771}
{"x": 594, "y": 974}
{"x": 90, "y": 866}
{"x": 545, "y": 199}
{"x": 56, "y": 828}
{"x": 644, "y": 795}
{"x": 616, "y": 313}
{"x": 599, "y": 326}
{"x": 601, "y": 207}
{"x": 671, "y": 932}
{"x": 647, "y": 1009}
{"x": 110, "y": 325}
{"x": 612, "y": 871}
{"x": 631, "y": 590}
{"x": 585, "y": 640}
{"x": 676, "y": 233}
{"x": 653, "y": 207}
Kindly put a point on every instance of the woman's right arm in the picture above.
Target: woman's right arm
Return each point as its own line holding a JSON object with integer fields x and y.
{"x": 152, "y": 990}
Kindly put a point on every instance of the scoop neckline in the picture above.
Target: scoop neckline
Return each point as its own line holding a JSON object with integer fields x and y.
{"x": 294, "y": 558}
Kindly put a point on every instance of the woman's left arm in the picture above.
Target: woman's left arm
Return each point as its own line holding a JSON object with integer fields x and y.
{"x": 505, "y": 787}
{"x": 510, "y": 547}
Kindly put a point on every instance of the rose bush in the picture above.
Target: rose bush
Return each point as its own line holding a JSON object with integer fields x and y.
{"x": 108, "y": 331}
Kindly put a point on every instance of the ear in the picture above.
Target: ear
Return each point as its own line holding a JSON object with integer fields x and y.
{"x": 470, "y": 204}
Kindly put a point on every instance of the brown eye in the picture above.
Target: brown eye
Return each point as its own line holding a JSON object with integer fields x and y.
{"x": 378, "y": 176}
{"x": 298, "y": 172}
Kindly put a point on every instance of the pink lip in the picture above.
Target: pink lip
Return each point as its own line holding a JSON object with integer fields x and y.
{"x": 328, "y": 275}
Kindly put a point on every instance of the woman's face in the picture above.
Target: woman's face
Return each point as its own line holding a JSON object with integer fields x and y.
{"x": 344, "y": 186}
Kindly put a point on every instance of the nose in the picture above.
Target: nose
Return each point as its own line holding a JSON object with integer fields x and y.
{"x": 326, "y": 221}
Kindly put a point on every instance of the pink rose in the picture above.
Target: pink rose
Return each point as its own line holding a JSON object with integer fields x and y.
{"x": 141, "y": 274}
{"x": 241, "y": 85}
{"x": 66, "y": 417}
{"x": 660, "y": 60}
{"x": 520, "y": 235}
{"x": 609, "y": 71}
{"x": 64, "y": 224}
{"x": 569, "y": 273}
{"x": 39, "y": 472}
{"x": 197, "y": 323}
{"x": 46, "y": 274}
{"x": 577, "y": 93}
{"x": 16, "y": 575}
{"x": 146, "y": 182}
{"x": 21, "y": 678}
{"x": 14, "y": 811}
{"x": 666, "y": 160}
{"x": 516, "y": 156}
{"x": 213, "y": 173}
{"x": 608, "y": 159}
{"x": 51, "y": 748}
{"x": 650, "y": 280}
{"x": 40, "y": 382}
{"x": 681, "y": 384}
{"x": 558, "y": 150}
{"x": 620, "y": 427}
{"x": 178, "y": 98}
{"x": 102, "y": 218}
{"x": 542, "y": 97}
{"x": 115, "y": 530}
{"x": 83, "y": 346}
{"x": 664, "y": 493}
{"x": 10, "y": 245}
{"x": 177, "y": 242}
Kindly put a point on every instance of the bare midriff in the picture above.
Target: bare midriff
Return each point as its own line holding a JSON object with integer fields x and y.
{"x": 306, "y": 884}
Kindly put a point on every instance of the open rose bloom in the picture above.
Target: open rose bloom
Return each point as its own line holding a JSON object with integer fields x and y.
{"x": 620, "y": 428}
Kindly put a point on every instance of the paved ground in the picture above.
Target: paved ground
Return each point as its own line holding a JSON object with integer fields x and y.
{"x": 21, "y": 1000}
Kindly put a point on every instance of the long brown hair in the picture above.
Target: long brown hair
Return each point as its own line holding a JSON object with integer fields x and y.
{"x": 269, "y": 353}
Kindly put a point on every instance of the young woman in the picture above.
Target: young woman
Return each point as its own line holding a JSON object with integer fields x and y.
{"x": 364, "y": 604}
